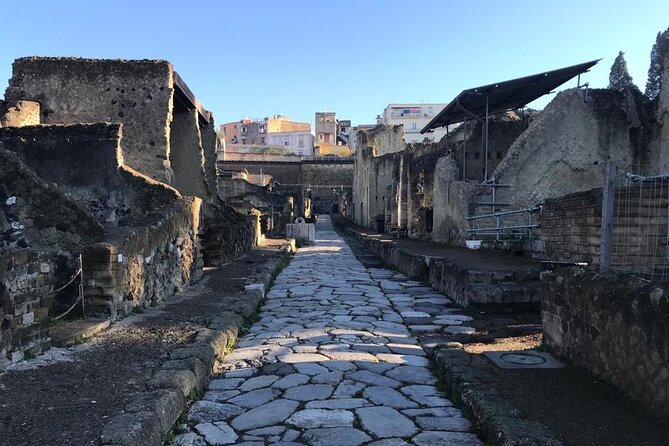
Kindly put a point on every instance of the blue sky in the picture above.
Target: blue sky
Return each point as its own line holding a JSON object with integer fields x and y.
{"x": 350, "y": 56}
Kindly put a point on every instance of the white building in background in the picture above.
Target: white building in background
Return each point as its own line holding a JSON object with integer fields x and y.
{"x": 296, "y": 143}
{"x": 413, "y": 117}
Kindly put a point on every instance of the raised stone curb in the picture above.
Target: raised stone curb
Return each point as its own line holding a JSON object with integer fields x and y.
{"x": 462, "y": 285}
{"x": 150, "y": 415}
{"x": 499, "y": 422}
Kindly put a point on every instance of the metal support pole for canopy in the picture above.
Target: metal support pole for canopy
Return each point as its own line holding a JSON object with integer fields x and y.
{"x": 464, "y": 150}
{"x": 486, "y": 139}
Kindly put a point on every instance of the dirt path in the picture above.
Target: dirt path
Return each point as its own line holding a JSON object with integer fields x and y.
{"x": 66, "y": 396}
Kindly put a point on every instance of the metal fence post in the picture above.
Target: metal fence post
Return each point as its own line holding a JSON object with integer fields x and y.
{"x": 608, "y": 192}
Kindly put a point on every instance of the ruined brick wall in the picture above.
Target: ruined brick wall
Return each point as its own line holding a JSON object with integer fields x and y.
{"x": 138, "y": 94}
{"x": 27, "y": 279}
{"x": 565, "y": 148}
{"x": 614, "y": 326}
{"x": 144, "y": 265}
{"x": 570, "y": 227}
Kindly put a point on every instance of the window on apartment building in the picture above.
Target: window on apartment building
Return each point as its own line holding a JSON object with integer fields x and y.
{"x": 300, "y": 143}
{"x": 413, "y": 126}
{"x": 285, "y": 143}
{"x": 262, "y": 140}
{"x": 477, "y": 155}
{"x": 320, "y": 137}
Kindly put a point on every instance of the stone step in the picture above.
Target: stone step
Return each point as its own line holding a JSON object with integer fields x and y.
{"x": 76, "y": 331}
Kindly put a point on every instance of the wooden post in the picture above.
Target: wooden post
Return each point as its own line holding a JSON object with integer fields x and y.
{"x": 606, "y": 242}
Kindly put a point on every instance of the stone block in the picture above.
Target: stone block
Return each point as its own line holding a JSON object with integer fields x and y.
{"x": 304, "y": 232}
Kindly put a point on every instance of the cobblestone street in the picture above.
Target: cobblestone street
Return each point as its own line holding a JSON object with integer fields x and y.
{"x": 333, "y": 359}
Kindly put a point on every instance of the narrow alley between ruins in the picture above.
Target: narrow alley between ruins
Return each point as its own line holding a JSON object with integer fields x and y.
{"x": 333, "y": 360}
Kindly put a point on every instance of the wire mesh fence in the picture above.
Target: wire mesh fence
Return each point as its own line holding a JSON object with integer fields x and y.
{"x": 639, "y": 222}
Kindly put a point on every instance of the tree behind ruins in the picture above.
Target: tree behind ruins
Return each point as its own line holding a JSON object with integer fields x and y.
{"x": 657, "y": 54}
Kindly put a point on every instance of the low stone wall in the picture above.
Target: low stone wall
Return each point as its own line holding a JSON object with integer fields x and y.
{"x": 227, "y": 233}
{"x": 615, "y": 326}
{"x": 145, "y": 265}
{"x": 463, "y": 286}
{"x": 27, "y": 280}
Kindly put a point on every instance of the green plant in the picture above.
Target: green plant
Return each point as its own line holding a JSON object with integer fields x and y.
{"x": 81, "y": 339}
{"x": 169, "y": 437}
{"x": 194, "y": 395}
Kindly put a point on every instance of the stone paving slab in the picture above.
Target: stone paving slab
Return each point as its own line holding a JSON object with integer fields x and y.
{"x": 334, "y": 359}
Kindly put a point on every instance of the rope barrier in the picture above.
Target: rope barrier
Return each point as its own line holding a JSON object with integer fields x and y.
{"x": 80, "y": 297}
{"x": 68, "y": 283}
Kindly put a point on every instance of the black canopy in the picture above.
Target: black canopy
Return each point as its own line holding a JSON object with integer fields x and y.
{"x": 503, "y": 96}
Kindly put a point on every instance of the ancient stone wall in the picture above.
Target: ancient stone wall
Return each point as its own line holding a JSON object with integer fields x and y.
{"x": 27, "y": 279}
{"x": 36, "y": 214}
{"x": 503, "y": 130}
{"x": 227, "y": 233}
{"x": 565, "y": 148}
{"x": 614, "y": 326}
{"x": 146, "y": 264}
{"x": 187, "y": 155}
{"x": 209, "y": 145}
{"x": 137, "y": 93}
{"x": 453, "y": 201}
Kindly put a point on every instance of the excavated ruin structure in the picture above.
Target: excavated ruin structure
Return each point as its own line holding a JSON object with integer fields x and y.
{"x": 112, "y": 160}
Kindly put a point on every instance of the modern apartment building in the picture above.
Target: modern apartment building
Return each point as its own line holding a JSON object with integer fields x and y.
{"x": 413, "y": 117}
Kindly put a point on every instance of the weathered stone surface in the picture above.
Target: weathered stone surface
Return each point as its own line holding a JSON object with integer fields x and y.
{"x": 449, "y": 438}
{"x": 274, "y": 412}
{"x": 322, "y": 322}
{"x": 314, "y": 418}
{"x": 204, "y": 411}
{"x": 457, "y": 424}
{"x": 337, "y": 435}
{"x": 411, "y": 374}
{"x": 388, "y": 397}
{"x": 309, "y": 392}
{"x": 385, "y": 422}
{"x": 217, "y": 433}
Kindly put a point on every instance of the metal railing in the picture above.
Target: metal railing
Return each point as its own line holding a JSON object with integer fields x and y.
{"x": 635, "y": 222}
{"x": 499, "y": 228}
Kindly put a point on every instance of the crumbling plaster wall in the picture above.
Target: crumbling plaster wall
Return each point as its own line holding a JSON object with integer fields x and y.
{"x": 137, "y": 93}
{"x": 566, "y": 147}
{"x": 19, "y": 113}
